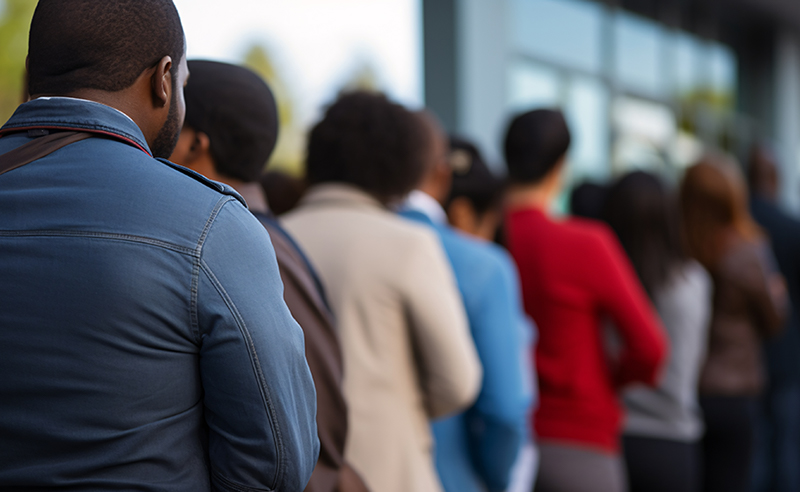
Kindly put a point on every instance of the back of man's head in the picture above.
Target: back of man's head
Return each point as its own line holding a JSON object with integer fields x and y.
{"x": 235, "y": 108}
{"x": 99, "y": 44}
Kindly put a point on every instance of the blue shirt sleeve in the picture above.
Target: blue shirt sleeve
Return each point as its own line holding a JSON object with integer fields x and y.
{"x": 259, "y": 398}
{"x": 498, "y": 420}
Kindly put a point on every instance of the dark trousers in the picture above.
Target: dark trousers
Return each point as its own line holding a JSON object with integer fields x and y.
{"x": 777, "y": 458}
{"x": 661, "y": 465}
{"x": 728, "y": 442}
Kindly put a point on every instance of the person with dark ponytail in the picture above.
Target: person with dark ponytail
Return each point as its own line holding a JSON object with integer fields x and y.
{"x": 574, "y": 274}
{"x": 663, "y": 425}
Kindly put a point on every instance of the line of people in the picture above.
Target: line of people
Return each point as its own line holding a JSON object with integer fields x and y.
{"x": 162, "y": 329}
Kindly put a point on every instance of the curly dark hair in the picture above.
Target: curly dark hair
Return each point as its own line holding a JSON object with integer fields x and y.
{"x": 535, "y": 142}
{"x": 100, "y": 44}
{"x": 367, "y": 141}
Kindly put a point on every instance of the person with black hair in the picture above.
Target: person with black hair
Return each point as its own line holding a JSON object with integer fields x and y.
{"x": 663, "y": 425}
{"x": 230, "y": 132}
{"x": 476, "y": 449}
{"x": 574, "y": 273}
{"x": 474, "y": 204}
{"x": 587, "y": 199}
{"x": 134, "y": 352}
{"x": 408, "y": 353}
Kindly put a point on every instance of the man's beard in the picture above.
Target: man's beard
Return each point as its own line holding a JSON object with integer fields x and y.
{"x": 167, "y": 137}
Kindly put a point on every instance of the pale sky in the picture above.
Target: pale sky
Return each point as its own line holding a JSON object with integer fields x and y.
{"x": 316, "y": 45}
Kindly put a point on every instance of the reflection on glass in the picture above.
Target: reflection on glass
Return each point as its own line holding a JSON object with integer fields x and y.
{"x": 587, "y": 112}
{"x": 722, "y": 70}
{"x": 688, "y": 57}
{"x": 531, "y": 85}
{"x": 645, "y": 133}
{"x": 567, "y": 32}
{"x": 639, "y": 55}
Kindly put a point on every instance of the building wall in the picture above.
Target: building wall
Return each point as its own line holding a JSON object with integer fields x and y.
{"x": 638, "y": 93}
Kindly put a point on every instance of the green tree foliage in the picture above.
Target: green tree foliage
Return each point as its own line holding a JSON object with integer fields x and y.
{"x": 15, "y": 21}
{"x": 288, "y": 155}
{"x": 363, "y": 78}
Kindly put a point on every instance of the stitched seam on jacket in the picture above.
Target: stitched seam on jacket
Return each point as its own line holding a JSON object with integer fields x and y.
{"x": 101, "y": 235}
{"x": 76, "y": 125}
{"x": 256, "y": 365}
{"x": 235, "y": 486}
{"x": 198, "y": 251}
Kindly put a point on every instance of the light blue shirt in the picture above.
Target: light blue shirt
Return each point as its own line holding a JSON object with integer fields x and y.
{"x": 475, "y": 450}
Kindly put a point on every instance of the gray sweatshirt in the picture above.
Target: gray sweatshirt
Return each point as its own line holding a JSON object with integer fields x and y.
{"x": 670, "y": 411}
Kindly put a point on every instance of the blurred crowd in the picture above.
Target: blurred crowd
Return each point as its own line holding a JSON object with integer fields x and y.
{"x": 632, "y": 345}
{"x": 461, "y": 335}
{"x": 665, "y": 357}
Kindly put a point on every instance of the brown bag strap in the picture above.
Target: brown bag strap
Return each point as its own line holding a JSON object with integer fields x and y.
{"x": 37, "y": 148}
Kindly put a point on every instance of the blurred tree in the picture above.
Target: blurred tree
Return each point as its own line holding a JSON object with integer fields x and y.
{"x": 15, "y": 21}
{"x": 288, "y": 155}
{"x": 364, "y": 77}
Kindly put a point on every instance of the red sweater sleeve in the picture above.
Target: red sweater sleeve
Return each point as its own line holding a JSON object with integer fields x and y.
{"x": 622, "y": 298}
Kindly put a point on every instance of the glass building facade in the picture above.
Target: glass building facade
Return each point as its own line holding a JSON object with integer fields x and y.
{"x": 637, "y": 92}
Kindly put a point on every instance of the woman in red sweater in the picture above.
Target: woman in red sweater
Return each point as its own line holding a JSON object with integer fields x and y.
{"x": 574, "y": 276}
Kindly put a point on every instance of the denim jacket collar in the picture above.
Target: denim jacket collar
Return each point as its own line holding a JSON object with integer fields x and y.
{"x": 65, "y": 113}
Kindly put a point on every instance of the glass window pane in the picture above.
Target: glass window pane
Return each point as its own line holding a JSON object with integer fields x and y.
{"x": 587, "y": 113}
{"x": 722, "y": 72}
{"x": 639, "y": 54}
{"x": 567, "y": 32}
{"x": 645, "y": 132}
{"x": 531, "y": 85}
{"x": 688, "y": 55}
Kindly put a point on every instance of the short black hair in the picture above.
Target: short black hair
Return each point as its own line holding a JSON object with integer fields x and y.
{"x": 535, "y": 142}
{"x": 368, "y": 141}
{"x": 236, "y": 109}
{"x": 472, "y": 178}
{"x": 100, "y": 44}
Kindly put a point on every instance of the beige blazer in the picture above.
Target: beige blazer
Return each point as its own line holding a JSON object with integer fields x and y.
{"x": 408, "y": 354}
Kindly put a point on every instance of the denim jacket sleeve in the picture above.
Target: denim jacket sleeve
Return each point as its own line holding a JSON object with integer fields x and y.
{"x": 259, "y": 398}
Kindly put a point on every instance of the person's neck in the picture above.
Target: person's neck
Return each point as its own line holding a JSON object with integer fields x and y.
{"x": 530, "y": 196}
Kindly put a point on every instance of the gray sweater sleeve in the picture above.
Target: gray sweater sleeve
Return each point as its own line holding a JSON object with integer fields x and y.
{"x": 670, "y": 410}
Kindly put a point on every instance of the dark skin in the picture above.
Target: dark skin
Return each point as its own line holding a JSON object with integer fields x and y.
{"x": 148, "y": 100}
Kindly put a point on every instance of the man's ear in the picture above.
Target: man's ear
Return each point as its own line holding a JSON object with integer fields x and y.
{"x": 162, "y": 82}
{"x": 201, "y": 144}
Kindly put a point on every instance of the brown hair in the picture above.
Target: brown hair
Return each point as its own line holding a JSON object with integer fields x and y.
{"x": 714, "y": 207}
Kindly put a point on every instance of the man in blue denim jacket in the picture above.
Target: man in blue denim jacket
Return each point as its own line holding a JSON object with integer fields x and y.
{"x": 144, "y": 340}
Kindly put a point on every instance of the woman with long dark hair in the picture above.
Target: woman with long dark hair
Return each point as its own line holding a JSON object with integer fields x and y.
{"x": 749, "y": 304}
{"x": 663, "y": 424}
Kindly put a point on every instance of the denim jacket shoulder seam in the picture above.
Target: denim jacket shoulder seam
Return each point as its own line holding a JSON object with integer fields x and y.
{"x": 77, "y": 125}
{"x": 198, "y": 252}
{"x": 263, "y": 386}
{"x": 101, "y": 235}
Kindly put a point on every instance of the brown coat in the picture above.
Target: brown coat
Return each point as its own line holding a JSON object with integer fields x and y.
{"x": 746, "y": 310}
{"x": 307, "y": 305}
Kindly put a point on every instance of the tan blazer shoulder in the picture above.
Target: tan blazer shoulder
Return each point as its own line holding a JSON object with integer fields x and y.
{"x": 408, "y": 354}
